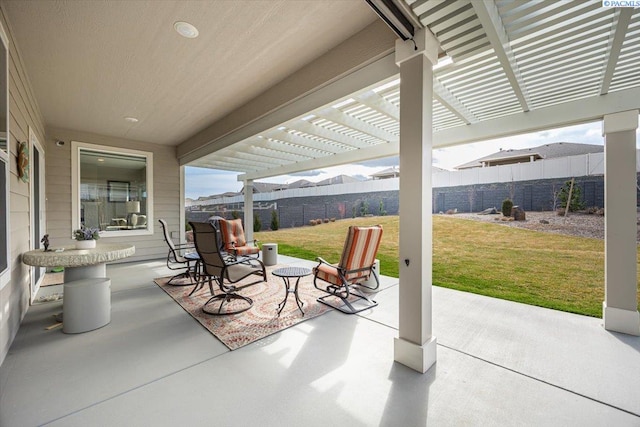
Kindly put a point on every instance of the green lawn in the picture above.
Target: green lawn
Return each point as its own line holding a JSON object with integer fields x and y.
{"x": 548, "y": 270}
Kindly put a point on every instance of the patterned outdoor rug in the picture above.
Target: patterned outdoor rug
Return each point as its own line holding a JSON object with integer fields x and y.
{"x": 261, "y": 319}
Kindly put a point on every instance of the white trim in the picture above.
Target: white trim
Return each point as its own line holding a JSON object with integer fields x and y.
{"x": 620, "y": 122}
{"x": 5, "y": 276}
{"x": 182, "y": 205}
{"x": 34, "y": 144}
{"x": 75, "y": 186}
{"x": 620, "y": 320}
{"x": 417, "y": 357}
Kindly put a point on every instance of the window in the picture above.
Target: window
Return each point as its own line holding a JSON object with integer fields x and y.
{"x": 112, "y": 189}
{"x": 5, "y": 270}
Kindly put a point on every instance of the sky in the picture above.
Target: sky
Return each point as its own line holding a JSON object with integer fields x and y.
{"x": 207, "y": 182}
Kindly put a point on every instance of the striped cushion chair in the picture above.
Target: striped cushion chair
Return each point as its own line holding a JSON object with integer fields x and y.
{"x": 234, "y": 240}
{"x": 354, "y": 268}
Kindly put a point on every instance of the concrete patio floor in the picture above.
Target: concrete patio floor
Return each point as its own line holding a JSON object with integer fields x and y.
{"x": 499, "y": 363}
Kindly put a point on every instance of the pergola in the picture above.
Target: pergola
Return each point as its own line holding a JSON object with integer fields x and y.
{"x": 464, "y": 71}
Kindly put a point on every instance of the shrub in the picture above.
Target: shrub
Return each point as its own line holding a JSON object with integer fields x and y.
{"x": 313, "y": 222}
{"x": 507, "y": 205}
{"x": 235, "y": 214}
{"x": 257, "y": 224}
{"x": 381, "y": 210}
{"x": 332, "y": 219}
{"x": 364, "y": 208}
{"x": 275, "y": 223}
{"x": 326, "y": 220}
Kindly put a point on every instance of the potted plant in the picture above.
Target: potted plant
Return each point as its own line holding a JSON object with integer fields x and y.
{"x": 86, "y": 237}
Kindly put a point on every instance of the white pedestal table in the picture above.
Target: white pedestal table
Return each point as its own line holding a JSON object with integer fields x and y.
{"x": 87, "y": 294}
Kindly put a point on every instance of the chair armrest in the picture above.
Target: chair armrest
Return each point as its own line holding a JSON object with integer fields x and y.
{"x": 323, "y": 261}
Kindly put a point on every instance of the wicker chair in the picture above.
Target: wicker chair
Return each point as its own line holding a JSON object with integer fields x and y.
{"x": 355, "y": 267}
{"x": 214, "y": 267}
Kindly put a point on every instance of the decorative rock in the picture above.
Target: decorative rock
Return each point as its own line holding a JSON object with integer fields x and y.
{"x": 518, "y": 213}
{"x": 490, "y": 211}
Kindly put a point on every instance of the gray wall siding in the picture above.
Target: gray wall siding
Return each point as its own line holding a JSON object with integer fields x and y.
{"x": 23, "y": 113}
{"x": 166, "y": 190}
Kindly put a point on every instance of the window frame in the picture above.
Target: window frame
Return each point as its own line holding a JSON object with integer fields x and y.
{"x": 37, "y": 216}
{"x": 76, "y": 147}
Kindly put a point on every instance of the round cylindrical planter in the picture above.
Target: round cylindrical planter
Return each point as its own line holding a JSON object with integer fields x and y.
{"x": 270, "y": 253}
{"x": 85, "y": 244}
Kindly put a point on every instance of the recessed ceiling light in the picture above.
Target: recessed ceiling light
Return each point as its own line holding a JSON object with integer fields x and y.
{"x": 186, "y": 30}
{"x": 131, "y": 119}
{"x": 100, "y": 159}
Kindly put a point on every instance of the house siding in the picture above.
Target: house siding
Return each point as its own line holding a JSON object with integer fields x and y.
{"x": 23, "y": 114}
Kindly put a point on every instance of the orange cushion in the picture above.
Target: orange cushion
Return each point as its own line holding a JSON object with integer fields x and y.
{"x": 328, "y": 273}
{"x": 247, "y": 250}
{"x": 232, "y": 233}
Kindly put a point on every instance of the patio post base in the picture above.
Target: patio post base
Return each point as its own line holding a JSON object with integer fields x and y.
{"x": 621, "y": 320}
{"x": 417, "y": 357}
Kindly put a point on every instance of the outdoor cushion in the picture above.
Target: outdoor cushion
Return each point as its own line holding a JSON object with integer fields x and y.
{"x": 232, "y": 233}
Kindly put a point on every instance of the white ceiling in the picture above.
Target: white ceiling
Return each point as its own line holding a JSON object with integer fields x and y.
{"x": 92, "y": 63}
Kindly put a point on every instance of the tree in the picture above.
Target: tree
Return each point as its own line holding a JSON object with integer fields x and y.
{"x": 275, "y": 223}
{"x": 257, "y": 224}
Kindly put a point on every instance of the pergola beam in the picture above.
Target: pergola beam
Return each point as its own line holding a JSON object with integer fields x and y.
{"x": 487, "y": 13}
{"x": 451, "y": 103}
{"x": 303, "y": 141}
{"x": 337, "y": 116}
{"x": 375, "y": 152}
{"x": 326, "y": 133}
{"x": 379, "y": 104}
{"x": 621, "y": 21}
{"x": 566, "y": 114}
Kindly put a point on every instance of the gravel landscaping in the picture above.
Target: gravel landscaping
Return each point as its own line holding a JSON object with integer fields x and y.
{"x": 576, "y": 224}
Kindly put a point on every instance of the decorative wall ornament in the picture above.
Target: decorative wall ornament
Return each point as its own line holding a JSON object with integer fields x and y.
{"x": 23, "y": 161}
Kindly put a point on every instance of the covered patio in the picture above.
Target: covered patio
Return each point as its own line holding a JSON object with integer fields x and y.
{"x": 499, "y": 363}
{"x": 346, "y": 86}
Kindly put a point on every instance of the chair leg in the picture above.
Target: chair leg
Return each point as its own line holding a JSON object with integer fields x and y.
{"x": 188, "y": 273}
{"x": 185, "y": 275}
{"x": 225, "y": 299}
{"x": 344, "y": 293}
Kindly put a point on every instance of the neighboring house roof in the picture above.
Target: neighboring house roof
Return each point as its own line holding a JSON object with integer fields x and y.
{"x": 340, "y": 179}
{"x": 546, "y": 151}
{"x": 386, "y": 173}
{"x": 301, "y": 183}
{"x": 265, "y": 187}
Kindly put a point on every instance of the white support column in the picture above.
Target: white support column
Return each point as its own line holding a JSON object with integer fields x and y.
{"x": 620, "y": 307}
{"x": 248, "y": 209}
{"x": 416, "y": 346}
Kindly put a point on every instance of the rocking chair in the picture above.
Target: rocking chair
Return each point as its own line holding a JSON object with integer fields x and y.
{"x": 355, "y": 267}
{"x": 234, "y": 239}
